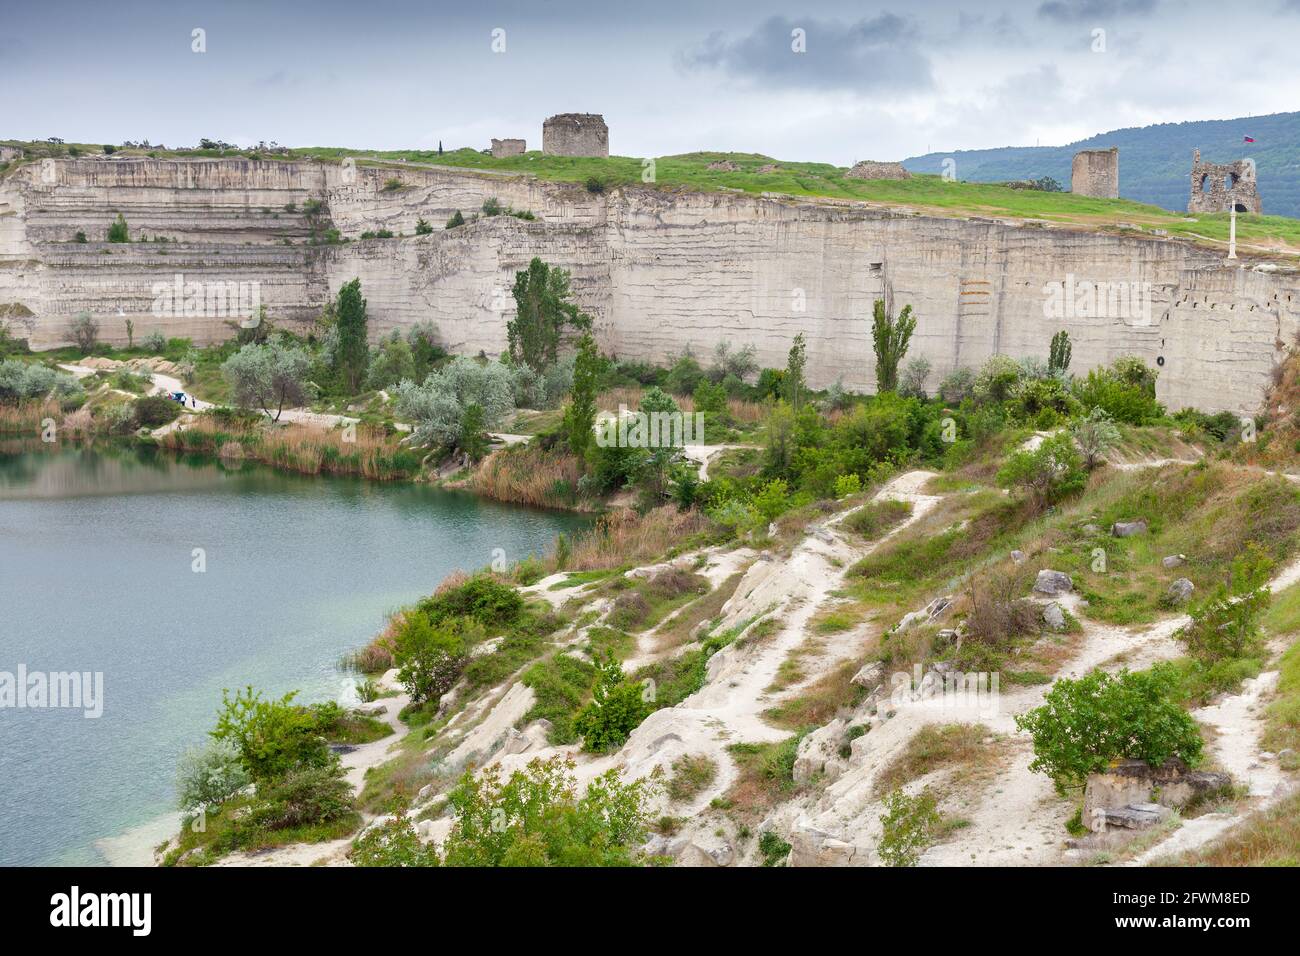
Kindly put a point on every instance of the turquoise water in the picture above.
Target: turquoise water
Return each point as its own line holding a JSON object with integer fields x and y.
{"x": 97, "y": 574}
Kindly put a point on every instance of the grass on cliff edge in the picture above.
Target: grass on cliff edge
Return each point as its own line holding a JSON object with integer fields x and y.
{"x": 922, "y": 193}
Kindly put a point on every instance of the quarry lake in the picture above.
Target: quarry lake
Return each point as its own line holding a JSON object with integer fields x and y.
{"x": 97, "y": 574}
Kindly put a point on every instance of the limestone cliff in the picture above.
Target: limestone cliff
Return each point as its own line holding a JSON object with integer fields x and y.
{"x": 660, "y": 271}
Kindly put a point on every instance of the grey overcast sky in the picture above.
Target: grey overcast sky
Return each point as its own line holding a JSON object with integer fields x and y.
{"x": 877, "y": 80}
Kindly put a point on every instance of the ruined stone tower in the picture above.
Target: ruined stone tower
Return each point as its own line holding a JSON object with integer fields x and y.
{"x": 1095, "y": 172}
{"x": 502, "y": 148}
{"x": 1219, "y": 187}
{"x": 575, "y": 134}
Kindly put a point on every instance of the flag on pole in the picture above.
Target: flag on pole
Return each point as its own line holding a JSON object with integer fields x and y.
{"x": 1249, "y": 139}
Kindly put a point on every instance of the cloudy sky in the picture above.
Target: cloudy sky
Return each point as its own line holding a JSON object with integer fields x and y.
{"x": 875, "y": 80}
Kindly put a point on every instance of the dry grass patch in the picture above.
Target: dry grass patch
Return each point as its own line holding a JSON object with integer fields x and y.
{"x": 936, "y": 747}
{"x": 1267, "y": 838}
{"x": 818, "y": 703}
{"x": 691, "y": 774}
{"x": 680, "y": 628}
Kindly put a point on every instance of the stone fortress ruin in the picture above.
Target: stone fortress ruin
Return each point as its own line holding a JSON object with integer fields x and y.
{"x": 575, "y": 134}
{"x": 1223, "y": 187}
{"x": 504, "y": 148}
{"x": 1095, "y": 173}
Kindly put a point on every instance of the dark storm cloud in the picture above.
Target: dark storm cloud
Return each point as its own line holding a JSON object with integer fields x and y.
{"x": 883, "y": 53}
{"x": 1072, "y": 11}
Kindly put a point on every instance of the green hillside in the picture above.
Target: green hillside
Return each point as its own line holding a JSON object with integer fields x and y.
{"x": 1155, "y": 162}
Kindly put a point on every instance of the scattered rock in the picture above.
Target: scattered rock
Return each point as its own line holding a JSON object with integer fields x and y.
{"x": 1173, "y": 561}
{"x": 1181, "y": 590}
{"x": 911, "y": 619}
{"x": 871, "y": 675}
{"x": 1127, "y": 529}
{"x": 1134, "y": 816}
{"x": 1091, "y": 529}
{"x": 1053, "y": 582}
{"x": 725, "y": 166}
{"x": 769, "y": 168}
{"x": 1054, "y": 617}
{"x": 819, "y": 752}
{"x": 1017, "y": 556}
{"x": 374, "y": 709}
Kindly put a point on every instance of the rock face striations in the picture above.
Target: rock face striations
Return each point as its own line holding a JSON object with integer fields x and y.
{"x": 658, "y": 271}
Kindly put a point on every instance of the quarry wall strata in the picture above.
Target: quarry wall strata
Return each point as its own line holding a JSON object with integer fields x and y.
{"x": 659, "y": 271}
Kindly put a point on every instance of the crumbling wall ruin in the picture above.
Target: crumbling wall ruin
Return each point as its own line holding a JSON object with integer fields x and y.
{"x": 1221, "y": 187}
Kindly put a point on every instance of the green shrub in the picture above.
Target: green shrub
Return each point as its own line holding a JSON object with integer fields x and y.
{"x": 537, "y": 819}
{"x": 307, "y": 794}
{"x": 908, "y": 825}
{"x": 1048, "y": 473}
{"x": 431, "y": 656}
{"x": 117, "y": 231}
{"x": 1226, "y": 626}
{"x": 393, "y": 843}
{"x": 773, "y": 848}
{"x": 154, "y": 411}
{"x": 1085, "y": 724}
{"x": 209, "y": 775}
{"x": 617, "y": 708}
{"x": 273, "y": 737}
{"x": 490, "y": 602}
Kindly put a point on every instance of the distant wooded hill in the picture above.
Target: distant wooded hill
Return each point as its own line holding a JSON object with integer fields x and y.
{"x": 1155, "y": 162}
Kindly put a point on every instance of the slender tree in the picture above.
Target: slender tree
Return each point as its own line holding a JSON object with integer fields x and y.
{"x": 794, "y": 380}
{"x": 542, "y": 310}
{"x": 353, "y": 353}
{"x": 890, "y": 338}
{"x": 1058, "y": 361}
{"x": 580, "y": 416}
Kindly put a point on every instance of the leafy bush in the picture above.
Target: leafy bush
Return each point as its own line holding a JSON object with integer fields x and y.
{"x": 273, "y": 737}
{"x": 154, "y": 342}
{"x": 154, "y": 411}
{"x": 117, "y": 231}
{"x": 23, "y": 381}
{"x": 306, "y": 794}
{"x": 537, "y": 819}
{"x": 616, "y": 709}
{"x": 773, "y": 848}
{"x": 909, "y": 824}
{"x": 997, "y": 379}
{"x": 431, "y": 657}
{"x": 490, "y": 602}
{"x": 437, "y": 407}
{"x": 1085, "y": 724}
{"x": 393, "y": 843}
{"x": 1225, "y": 627}
{"x": 1095, "y": 435}
{"x": 209, "y": 775}
{"x": 1126, "y": 391}
{"x": 1048, "y": 473}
